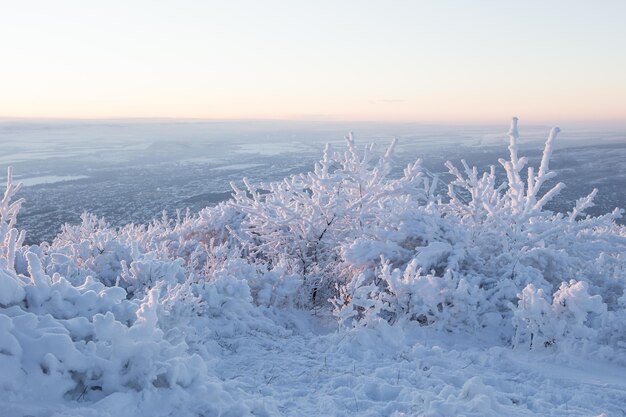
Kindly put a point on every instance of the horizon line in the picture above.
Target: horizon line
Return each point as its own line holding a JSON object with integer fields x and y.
{"x": 330, "y": 120}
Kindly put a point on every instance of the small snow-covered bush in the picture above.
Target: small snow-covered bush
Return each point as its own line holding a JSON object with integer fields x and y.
{"x": 571, "y": 314}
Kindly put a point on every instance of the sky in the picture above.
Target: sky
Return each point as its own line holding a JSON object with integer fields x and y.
{"x": 418, "y": 61}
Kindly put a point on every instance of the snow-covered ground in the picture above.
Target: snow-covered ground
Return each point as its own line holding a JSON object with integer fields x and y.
{"x": 293, "y": 364}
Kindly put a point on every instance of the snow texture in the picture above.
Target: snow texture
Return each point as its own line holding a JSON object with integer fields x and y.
{"x": 338, "y": 292}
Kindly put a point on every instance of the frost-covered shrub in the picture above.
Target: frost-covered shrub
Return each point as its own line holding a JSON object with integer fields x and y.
{"x": 10, "y": 237}
{"x": 409, "y": 294}
{"x": 515, "y": 239}
{"x": 89, "y": 356}
{"x": 470, "y": 256}
{"x": 304, "y": 221}
{"x": 69, "y": 330}
{"x": 86, "y": 341}
{"x": 149, "y": 272}
{"x": 572, "y": 314}
{"x": 89, "y": 248}
{"x": 11, "y": 290}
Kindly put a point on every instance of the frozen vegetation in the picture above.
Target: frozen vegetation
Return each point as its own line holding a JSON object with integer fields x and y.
{"x": 339, "y": 292}
{"x": 130, "y": 171}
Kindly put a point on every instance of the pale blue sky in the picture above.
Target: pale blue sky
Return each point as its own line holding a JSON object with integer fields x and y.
{"x": 433, "y": 61}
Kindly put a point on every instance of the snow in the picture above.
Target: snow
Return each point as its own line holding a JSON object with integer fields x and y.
{"x": 292, "y": 366}
{"x": 266, "y": 148}
{"x": 294, "y": 372}
{"x": 348, "y": 374}
{"x": 50, "y": 179}
{"x": 339, "y": 292}
{"x": 236, "y": 167}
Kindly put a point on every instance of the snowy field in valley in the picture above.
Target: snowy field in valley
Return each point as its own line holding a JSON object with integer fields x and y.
{"x": 373, "y": 284}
